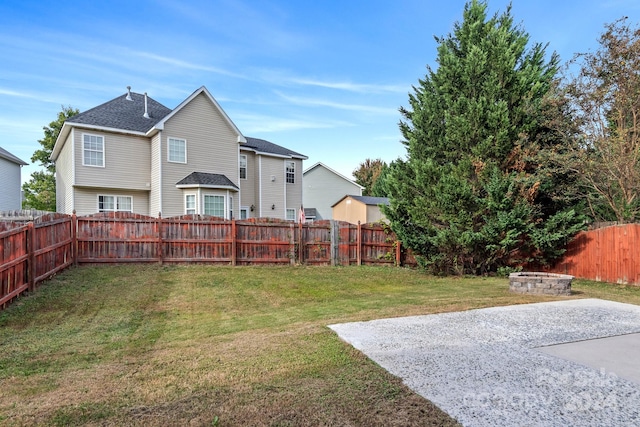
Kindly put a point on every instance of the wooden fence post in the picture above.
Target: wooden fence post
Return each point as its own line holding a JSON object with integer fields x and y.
{"x": 359, "y": 245}
{"x": 292, "y": 244}
{"x": 234, "y": 238}
{"x": 333, "y": 247}
{"x": 398, "y": 253}
{"x": 159, "y": 234}
{"x": 300, "y": 243}
{"x": 74, "y": 238}
{"x": 31, "y": 248}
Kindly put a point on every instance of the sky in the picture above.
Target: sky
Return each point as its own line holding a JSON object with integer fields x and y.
{"x": 323, "y": 78}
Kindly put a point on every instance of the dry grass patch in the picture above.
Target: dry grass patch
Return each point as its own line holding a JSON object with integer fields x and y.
{"x": 153, "y": 345}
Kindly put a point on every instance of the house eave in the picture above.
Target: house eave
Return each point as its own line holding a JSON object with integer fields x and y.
{"x": 280, "y": 156}
{"x": 214, "y": 187}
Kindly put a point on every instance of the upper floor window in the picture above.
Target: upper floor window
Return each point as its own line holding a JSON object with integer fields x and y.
{"x": 115, "y": 203}
{"x": 92, "y": 150}
{"x": 291, "y": 172}
{"x": 243, "y": 166}
{"x": 177, "y": 150}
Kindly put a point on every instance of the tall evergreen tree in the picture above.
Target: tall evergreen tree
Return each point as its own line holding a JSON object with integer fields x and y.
{"x": 40, "y": 190}
{"x": 475, "y": 193}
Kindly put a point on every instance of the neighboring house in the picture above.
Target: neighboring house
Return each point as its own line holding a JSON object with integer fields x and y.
{"x": 359, "y": 208}
{"x": 134, "y": 154}
{"x": 11, "y": 179}
{"x": 323, "y": 187}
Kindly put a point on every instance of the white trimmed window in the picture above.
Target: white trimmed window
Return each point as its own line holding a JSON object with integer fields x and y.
{"x": 244, "y": 213}
{"x": 190, "y": 204}
{"x": 230, "y": 207}
{"x": 291, "y": 172}
{"x": 291, "y": 215}
{"x": 243, "y": 166}
{"x": 115, "y": 203}
{"x": 92, "y": 150}
{"x": 177, "y": 150}
{"x": 214, "y": 205}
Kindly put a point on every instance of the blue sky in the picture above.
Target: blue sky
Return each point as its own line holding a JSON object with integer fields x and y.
{"x": 324, "y": 78}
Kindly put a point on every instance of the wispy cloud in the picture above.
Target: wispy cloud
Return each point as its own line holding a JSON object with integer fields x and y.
{"x": 186, "y": 64}
{"x": 255, "y": 123}
{"x": 351, "y": 87}
{"x": 314, "y": 102}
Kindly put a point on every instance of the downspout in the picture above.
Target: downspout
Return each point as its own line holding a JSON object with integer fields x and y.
{"x": 260, "y": 185}
{"x": 73, "y": 171}
{"x": 284, "y": 194}
{"x": 161, "y": 178}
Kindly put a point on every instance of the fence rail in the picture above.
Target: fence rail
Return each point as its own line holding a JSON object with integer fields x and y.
{"x": 32, "y": 252}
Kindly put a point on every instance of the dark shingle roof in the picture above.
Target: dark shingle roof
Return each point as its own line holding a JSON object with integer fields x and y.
{"x": 207, "y": 179}
{"x": 264, "y": 146}
{"x": 120, "y": 113}
{"x": 370, "y": 200}
{"x": 4, "y": 154}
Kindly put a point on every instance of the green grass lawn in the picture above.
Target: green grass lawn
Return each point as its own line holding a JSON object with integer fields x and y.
{"x": 200, "y": 345}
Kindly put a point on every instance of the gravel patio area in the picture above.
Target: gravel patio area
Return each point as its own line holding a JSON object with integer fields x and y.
{"x": 492, "y": 367}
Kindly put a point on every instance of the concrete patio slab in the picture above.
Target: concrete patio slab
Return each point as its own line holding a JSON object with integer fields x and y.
{"x": 494, "y": 367}
{"x": 620, "y": 354}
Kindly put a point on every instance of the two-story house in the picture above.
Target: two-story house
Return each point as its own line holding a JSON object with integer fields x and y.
{"x": 10, "y": 177}
{"x": 134, "y": 154}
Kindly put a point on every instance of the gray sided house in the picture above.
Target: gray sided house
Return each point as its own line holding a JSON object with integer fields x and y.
{"x": 11, "y": 179}
{"x": 323, "y": 187}
{"x": 134, "y": 154}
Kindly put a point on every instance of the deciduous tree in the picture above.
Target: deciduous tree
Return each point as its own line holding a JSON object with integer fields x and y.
{"x": 40, "y": 190}
{"x": 606, "y": 95}
{"x": 367, "y": 174}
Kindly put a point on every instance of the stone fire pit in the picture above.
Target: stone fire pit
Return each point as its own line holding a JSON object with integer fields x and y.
{"x": 540, "y": 283}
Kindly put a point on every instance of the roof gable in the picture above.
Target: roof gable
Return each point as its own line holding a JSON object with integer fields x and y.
{"x": 4, "y": 154}
{"x": 366, "y": 200}
{"x": 338, "y": 174}
{"x": 202, "y": 90}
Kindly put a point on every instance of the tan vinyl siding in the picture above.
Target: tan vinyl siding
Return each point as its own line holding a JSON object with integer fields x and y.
{"x": 10, "y": 198}
{"x": 64, "y": 177}
{"x": 322, "y": 188}
{"x": 294, "y": 191}
{"x": 249, "y": 186}
{"x": 127, "y": 162}
{"x": 156, "y": 173}
{"x": 350, "y": 210}
{"x": 212, "y": 147}
{"x": 374, "y": 214}
{"x": 87, "y": 200}
{"x": 273, "y": 191}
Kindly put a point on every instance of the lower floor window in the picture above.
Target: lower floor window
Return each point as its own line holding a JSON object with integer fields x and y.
{"x": 115, "y": 204}
{"x": 291, "y": 214}
{"x": 214, "y": 205}
{"x": 244, "y": 213}
{"x": 190, "y": 204}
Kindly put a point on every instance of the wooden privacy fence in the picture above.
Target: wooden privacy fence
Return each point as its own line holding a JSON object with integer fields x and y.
{"x": 124, "y": 237}
{"x": 610, "y": 254}
{"x": 32, "y": 252}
